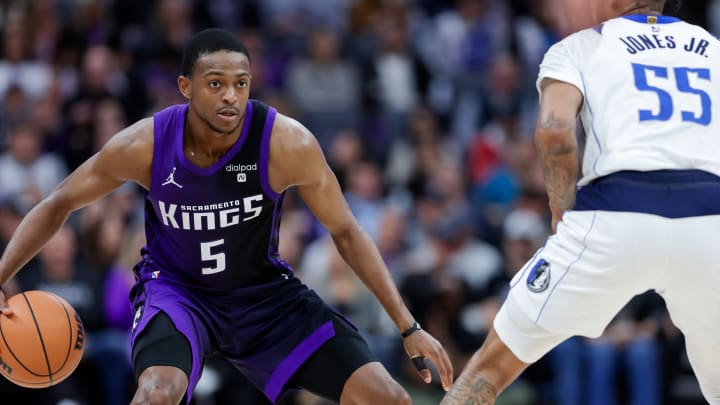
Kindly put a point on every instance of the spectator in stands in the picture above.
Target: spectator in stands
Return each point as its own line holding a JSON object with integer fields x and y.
{"x": 324, "y": 87}
{"x": 25, "y": 171}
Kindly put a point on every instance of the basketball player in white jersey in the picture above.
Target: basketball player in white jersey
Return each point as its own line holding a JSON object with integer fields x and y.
{"x": 645, "y": 212}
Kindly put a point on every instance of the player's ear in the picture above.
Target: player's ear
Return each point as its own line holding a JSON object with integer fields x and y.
{"x": 184, "y": 86}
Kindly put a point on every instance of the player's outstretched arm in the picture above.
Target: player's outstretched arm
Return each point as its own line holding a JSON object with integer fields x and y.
{"x": 127, "y": 156}
{"x": 296, "y": 159}
{"x": 556, "y": 144}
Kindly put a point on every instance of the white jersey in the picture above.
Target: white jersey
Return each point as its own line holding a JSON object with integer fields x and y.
{"x": 655, "y": 81}
{"x": 649, "y": 220}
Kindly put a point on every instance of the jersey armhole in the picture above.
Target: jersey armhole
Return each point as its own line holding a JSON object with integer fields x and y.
{"x": 154, "y": 169}
{"x": 265, "y": 155}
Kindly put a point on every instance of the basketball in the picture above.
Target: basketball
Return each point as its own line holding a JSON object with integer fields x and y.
{"x": 42, "y": 342}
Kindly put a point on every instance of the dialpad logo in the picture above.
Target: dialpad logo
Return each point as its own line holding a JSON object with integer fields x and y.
{"x": 241, "y": 177}
{"x": 539, "y": 278}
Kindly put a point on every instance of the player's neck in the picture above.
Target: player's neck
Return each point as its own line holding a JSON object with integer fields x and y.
{"x": 642, "y": 7}
{"x": 204, "y": 146}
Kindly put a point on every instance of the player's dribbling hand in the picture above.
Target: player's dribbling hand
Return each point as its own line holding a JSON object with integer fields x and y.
{"x": 421, "y": 346}
{"x": 4, "y": 308}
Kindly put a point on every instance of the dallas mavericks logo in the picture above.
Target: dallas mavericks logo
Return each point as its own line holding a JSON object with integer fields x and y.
{"x": 539, "y": 278}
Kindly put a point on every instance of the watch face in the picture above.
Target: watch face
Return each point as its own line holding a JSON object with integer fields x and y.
{"x": 410, "y": 330}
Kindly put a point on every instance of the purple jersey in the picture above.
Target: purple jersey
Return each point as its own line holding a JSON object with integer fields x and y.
{"x": 215, "y": 226}
{"x": 211, "y": 261}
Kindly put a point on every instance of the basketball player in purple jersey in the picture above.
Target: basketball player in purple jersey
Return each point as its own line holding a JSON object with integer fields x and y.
{"x": 210, "y": 281}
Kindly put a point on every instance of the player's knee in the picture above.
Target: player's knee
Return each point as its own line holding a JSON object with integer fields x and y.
{"x": 162, "y": 396}
{"x": 384, "y": 390}
{"x": 154, "y": 392}
{"x": 160, "y": 385}
{"x": 155, "y": 396}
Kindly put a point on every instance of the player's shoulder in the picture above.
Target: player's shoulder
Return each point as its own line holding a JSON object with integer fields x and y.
{"x": 697, "y": 30}
{"x": 135, "y": 140}
{"x": 583, "y": 38}
{"x": 574, "y": 48}
{"x": 128, "y": 154}
{"x": 290, "y": 135}
{"x": 295, "y": 154}
{"x": 171, "y": 111}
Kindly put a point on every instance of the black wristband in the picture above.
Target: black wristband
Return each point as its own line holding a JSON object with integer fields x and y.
{"x": 412, "y": 329}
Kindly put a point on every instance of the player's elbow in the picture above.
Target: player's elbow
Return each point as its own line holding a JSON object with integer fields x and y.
{"x": 346, "y": 235}
{"x": 555, "y": 141}
{"x": 346, "y": 231}
{"x": 57, "y": 204}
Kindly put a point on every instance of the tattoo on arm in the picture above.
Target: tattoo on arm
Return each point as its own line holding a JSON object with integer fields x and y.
{"x": 470, "y": 390}
{"x": 560, "y": 177}
{"x": 557, "y": 150}
{"x": 558, "y": 124}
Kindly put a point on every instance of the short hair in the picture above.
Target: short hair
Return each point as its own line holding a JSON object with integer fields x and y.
{"x": 209, "y": 41}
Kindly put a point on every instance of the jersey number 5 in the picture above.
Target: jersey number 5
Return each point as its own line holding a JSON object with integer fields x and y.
{"x": 217, "y": 260}
{"x": 206, "y": 255}
{"x": 682, "y": 83}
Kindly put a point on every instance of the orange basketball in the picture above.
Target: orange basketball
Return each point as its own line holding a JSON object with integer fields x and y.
{"x": 42, "y": 342}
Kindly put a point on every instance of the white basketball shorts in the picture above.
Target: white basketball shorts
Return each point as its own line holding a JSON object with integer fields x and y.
{"x": 597, "y": 261}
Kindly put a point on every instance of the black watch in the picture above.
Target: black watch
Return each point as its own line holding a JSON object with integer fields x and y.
{"x": 412, "y": 329}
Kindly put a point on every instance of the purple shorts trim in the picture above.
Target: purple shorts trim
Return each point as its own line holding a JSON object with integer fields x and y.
{"x": 295, "y": 359}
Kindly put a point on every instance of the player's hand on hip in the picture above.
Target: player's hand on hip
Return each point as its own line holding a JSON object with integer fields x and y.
{"x": 4, "y": 308}
{"x": 421, "y": 346}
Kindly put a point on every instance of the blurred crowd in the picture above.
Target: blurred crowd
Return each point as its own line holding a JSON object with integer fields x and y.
{"x": 425, "y": 110}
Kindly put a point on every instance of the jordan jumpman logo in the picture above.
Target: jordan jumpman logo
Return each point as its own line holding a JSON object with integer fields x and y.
{"x": 171, "y": 179}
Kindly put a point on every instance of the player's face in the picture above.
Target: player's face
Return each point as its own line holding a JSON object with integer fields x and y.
{"x": 219, "y": 88}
